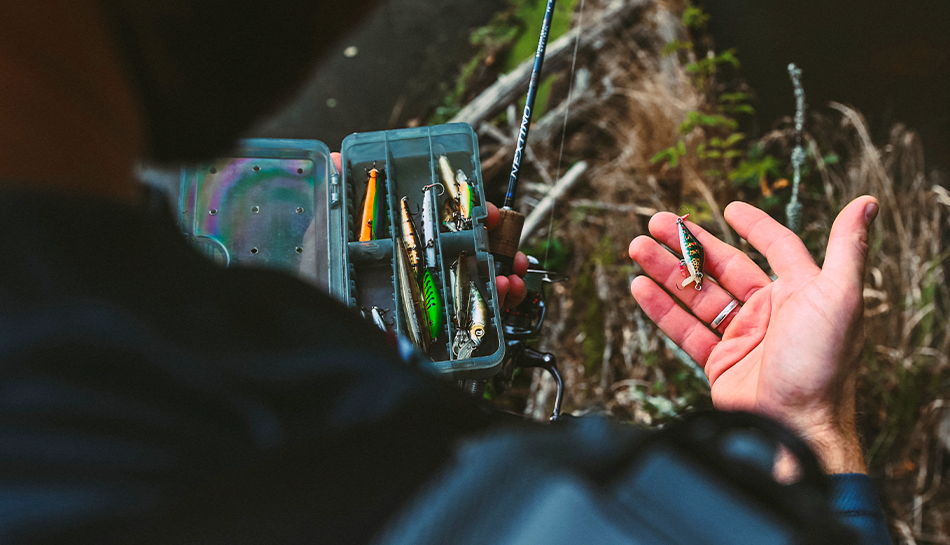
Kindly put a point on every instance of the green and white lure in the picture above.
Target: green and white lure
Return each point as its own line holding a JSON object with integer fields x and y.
{"x": 694, "y": 256}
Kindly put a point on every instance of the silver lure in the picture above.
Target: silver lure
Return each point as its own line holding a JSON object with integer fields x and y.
{"x": 479, "y": 315}
{"x": 430, "y": 224}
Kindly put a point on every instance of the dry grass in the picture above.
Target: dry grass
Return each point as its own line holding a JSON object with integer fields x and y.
{"x": 616, "y": 361}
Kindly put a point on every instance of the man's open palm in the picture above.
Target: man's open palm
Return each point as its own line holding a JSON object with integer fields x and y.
{"x": 790, "y": 350}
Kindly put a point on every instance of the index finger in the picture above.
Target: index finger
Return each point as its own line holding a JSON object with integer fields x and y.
{"x": 786, "y": 252}
{"x": 493, "y": 217}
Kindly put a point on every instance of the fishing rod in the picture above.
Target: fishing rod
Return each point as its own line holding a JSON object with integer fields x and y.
{"x": 505, "y": 238}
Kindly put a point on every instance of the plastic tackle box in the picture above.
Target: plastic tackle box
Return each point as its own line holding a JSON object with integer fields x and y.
{"x": 281, "y": 204}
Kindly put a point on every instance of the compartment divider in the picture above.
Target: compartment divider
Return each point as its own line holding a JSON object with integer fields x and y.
{"x": 392, "y": 176}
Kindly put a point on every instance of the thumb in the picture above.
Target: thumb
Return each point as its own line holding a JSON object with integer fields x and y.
{"x": 848, "y": 242}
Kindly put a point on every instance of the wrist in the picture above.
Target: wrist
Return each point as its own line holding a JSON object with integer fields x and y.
{"x": 838, "y": 449}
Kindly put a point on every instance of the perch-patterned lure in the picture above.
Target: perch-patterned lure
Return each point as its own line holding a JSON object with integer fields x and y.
{"x": 694, "y": 256}
{"x": 410, "y": 238}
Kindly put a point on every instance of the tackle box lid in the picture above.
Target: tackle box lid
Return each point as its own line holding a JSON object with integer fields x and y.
{"x": 271, "y": 203}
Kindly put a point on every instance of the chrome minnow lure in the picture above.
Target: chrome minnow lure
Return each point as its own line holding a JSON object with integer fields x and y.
{"x": 435, "y": 310}
{"x": 417, "y": 322}
{"x": 430, "y": 225}
{"x": 449, "y": 214}
{"x": 694, "y": 256}
{"x": 378, "y": 318}
{"x": 411, "y": 239}
{"x": 460, "y": 282}
{"x": 448, "y": 178}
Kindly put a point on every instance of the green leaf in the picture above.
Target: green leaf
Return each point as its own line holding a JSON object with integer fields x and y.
{"x": 700, "y": 150}
{"x": 695, "y": 17}
{"x": 728, "y": 57}
{"x": 662, "y": 155}
{"x": 831, "y": 159}
{"x": 675, "y": 46}
{"x": 713, "y": 154}
{"x": 731, "y": 154}
{"x": 715, "y": 142}
{"x": 670, "y": 155}
{"x": 751, "y": 170}
{"x": 733, "y": 140}
{"x": 717, "y": 121}
{"x": 681, "y": 147}
{"x": 743, "y": 109}
{"x": 732, "y": 98}
{"x": 713, "y": 173}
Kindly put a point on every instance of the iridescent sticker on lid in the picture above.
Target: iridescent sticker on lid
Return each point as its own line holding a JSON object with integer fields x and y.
{"x": 254, "y": 211}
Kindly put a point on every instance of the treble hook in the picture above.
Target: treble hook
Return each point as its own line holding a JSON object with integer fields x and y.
{"x": 442, "y": 187}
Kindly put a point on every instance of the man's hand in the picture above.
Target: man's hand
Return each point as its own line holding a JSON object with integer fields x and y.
{"x": 511, "y": 288}
{"x": 791, "y": 350}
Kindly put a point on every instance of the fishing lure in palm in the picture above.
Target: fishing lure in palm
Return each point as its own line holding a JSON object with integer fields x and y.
{"x": 435, "y": 310}
{"x": 371, "y": 212}
{"x": 694, "y": 256}
{"x": 411, "y": 239}
{"x": 417, "y": 322}
{"x": 430, "y": 225}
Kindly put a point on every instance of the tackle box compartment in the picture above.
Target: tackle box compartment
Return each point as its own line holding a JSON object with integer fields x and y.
{"x": 281, "y": 204}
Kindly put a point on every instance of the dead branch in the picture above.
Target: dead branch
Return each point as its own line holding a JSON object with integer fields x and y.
{"x": 537, "y": 215}
{"x": 512, "y": 85}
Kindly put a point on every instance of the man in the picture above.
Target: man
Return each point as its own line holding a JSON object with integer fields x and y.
{"x": 148, "y": 395}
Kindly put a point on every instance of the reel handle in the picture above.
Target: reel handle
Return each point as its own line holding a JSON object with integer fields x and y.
{"x": 504, "y": 239}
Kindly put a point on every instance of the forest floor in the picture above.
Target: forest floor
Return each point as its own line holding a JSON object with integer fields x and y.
{"x": 630, "y": 93}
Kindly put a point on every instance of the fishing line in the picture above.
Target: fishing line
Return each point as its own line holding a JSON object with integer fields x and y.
{"x": 567, "y": 110}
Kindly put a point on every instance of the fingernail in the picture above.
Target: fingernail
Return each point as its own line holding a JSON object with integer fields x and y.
{"x": 870, "y": 211}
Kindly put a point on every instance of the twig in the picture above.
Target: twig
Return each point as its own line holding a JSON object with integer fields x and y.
{"x": 509, "y": 87}
{"x": 488, "y": 129}
{"x": 823, "y": 170}
{"x": 681, "y": 355}
{"x": 794, "y": 209}
{"x": 606, "y": 295}
{"x": 713, "y": 205}
{"x": 872, "y": 152}
{"x": 615, "y": 207}
{"x": 540, "y": 212}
